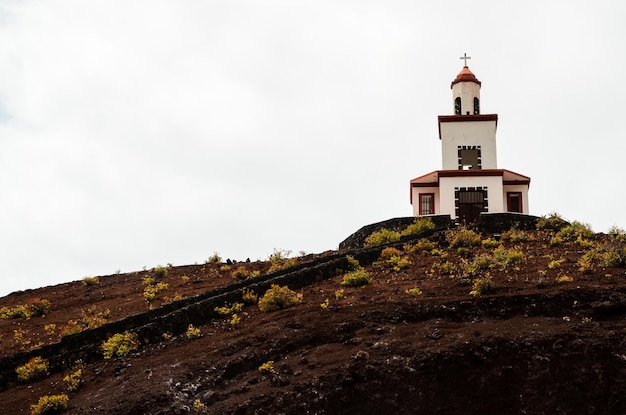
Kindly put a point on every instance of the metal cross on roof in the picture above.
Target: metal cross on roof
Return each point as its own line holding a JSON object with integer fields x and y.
{"x": 465, "y": 57}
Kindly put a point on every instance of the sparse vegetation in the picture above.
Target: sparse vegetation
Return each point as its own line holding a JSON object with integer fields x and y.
{"x": 73, "y": 380}
{"x": 119, "y": 345}
{"x": 357, "y": 278}
{"x": 278, "y": 297}
{"x": 50, "y": 404}
{"x": 419, "y": 226}
{"x": 91, "y": 281}
{"x": 551, "y": 223}
{"x": 462, "y": 238}
{"x": 193, "y": 332}
{"x": 280, "y": 259}
{"x": 382, "y": 236}
{"x": 214, "y": 259}
{"x": 35, "y": 368}
{"x": 249, "y": 297}
{"x": 267, "y": 366}
{"x": 415, "y": 292}
{"x": 482, "y": 286}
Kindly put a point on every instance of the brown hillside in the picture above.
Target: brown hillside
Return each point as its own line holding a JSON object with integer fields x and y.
{"x": 548, "y": 337}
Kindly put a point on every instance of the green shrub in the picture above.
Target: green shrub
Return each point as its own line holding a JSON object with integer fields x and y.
{"x": 419, "y": 226}
{"x": 73, "y": 380}
{"x": 193, "y": 332}
{"x": 280, "y": 260}
{"x": 120, "y": 344}
{"x": 39, "y": 307}
{"x": 50, "y": 404}
{"x": 353, "y": 263}
{"x": 423, "y": 245}
{"x": 89, "y": 281}
{"x": 415, "y": 292}
{"x": 399, "y": 263}
{"x": 267, "y": 366}
{"x": 249, "y": 297}
{"x": 215, "y": 258}
{"x": 19, "y": 311}
{"x": 356, "y": 278}
{"x": 482, "y": 286}
{"x": 382, "y": 236}
{"x": 575, "y": 231}
{"x": 389, "y": 253}
{"x": 515, "y": 236}
{"x": 551, "y": 223}
{"x": 278, "y": 297}
{"x": 462, "y": 238}
{"x": 490, "y": 243}
{"x": 556, "y": 263}
{"x": 241, "y": 273}
{"x": 506, "y": 257}
{"x": 159, "y": 271}
{"x": 35, "y": 368}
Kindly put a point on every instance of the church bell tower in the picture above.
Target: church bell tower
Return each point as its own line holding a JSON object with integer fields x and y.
{"x": 470, "y": 183}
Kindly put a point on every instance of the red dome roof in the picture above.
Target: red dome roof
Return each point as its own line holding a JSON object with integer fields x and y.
{"x": 465, "y": 76}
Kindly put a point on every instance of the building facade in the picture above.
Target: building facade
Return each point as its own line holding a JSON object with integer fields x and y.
{"x": 470, "y": 182}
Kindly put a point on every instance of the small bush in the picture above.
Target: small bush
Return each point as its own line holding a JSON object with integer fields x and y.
{"x": 399, "y": 263}
{"x": 339, "y": 294}
{"x": 249, "y": 297}
{"x": 39, "y": 307}
{"x": 490, "y": 243}
{"x": 423, "y": 245}
{"x": 325, "y": 304}
{"x": 235, "y": 320}
{"x": 73, "y": 380}
{"x": 151, "y": 291}
{"x": 159, "y": 271}
{"x": 193, "y": 332}
{"x": 587, "y": 262}
{"x": 90, "y": 281}
{"x": 556, "y": 263}
{"x": 267, "y": 366}
{"x": 278, "y": 297}
{"x": 120, "y": 344}
{"x": 462, "y": 238}
{"x": 575, "y": 231}
{"x": 20, "y": 311}
{"x": 419, "y": 226}
{"x": 35, "y": 368}
{"x": 551, "y": 223}
{"x": 356, "y": 278}
{"x": 280, "y": 260}
{"x": 415, "y": 292}
{"x": 382, "y": 236}
{"x": 353, "y": 263}
{"x": 215, "y": 258}
{"x": 515, "y": 236}
{"x": 506, "y": 257}
{"x": 564, "y": 278}
{"x": 50, "y": 404}
{"x": 389, "y": 253}
{"x": 482, "y": 286}
{"x": 241, "y": 273}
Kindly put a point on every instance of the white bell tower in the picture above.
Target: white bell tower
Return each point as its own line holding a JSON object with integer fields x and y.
{"x": 469, "y": 183}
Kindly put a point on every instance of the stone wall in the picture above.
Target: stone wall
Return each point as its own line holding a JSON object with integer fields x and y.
{"x": 357, "y": 239}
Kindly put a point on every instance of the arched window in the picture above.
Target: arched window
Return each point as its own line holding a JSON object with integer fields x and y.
{"x": 476, "y": 106}
{"x": 457, "y": 106}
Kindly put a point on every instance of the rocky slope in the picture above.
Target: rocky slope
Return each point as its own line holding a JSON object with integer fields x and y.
{"x": 543, "y": 332}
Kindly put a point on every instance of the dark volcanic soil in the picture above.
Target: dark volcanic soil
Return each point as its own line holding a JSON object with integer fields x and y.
{"x": 533, "y": 345}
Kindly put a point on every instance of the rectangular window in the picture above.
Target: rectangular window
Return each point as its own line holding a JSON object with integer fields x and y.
{"x": 427, "y": 203}
{"x": 514, "y": 202}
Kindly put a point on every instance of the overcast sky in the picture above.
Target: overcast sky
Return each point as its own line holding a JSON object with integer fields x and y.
{"x": 138, "y": 133}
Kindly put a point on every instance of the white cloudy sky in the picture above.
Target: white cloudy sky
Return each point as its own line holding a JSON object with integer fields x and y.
{"x": 136, "y": 133}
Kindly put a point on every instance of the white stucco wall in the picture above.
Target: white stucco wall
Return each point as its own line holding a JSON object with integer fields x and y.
{"x": 415, "y": 199}
{"x": 495, "y": 195}
{"x": 468, "y": 133}
{"x": 467, "y": 91}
